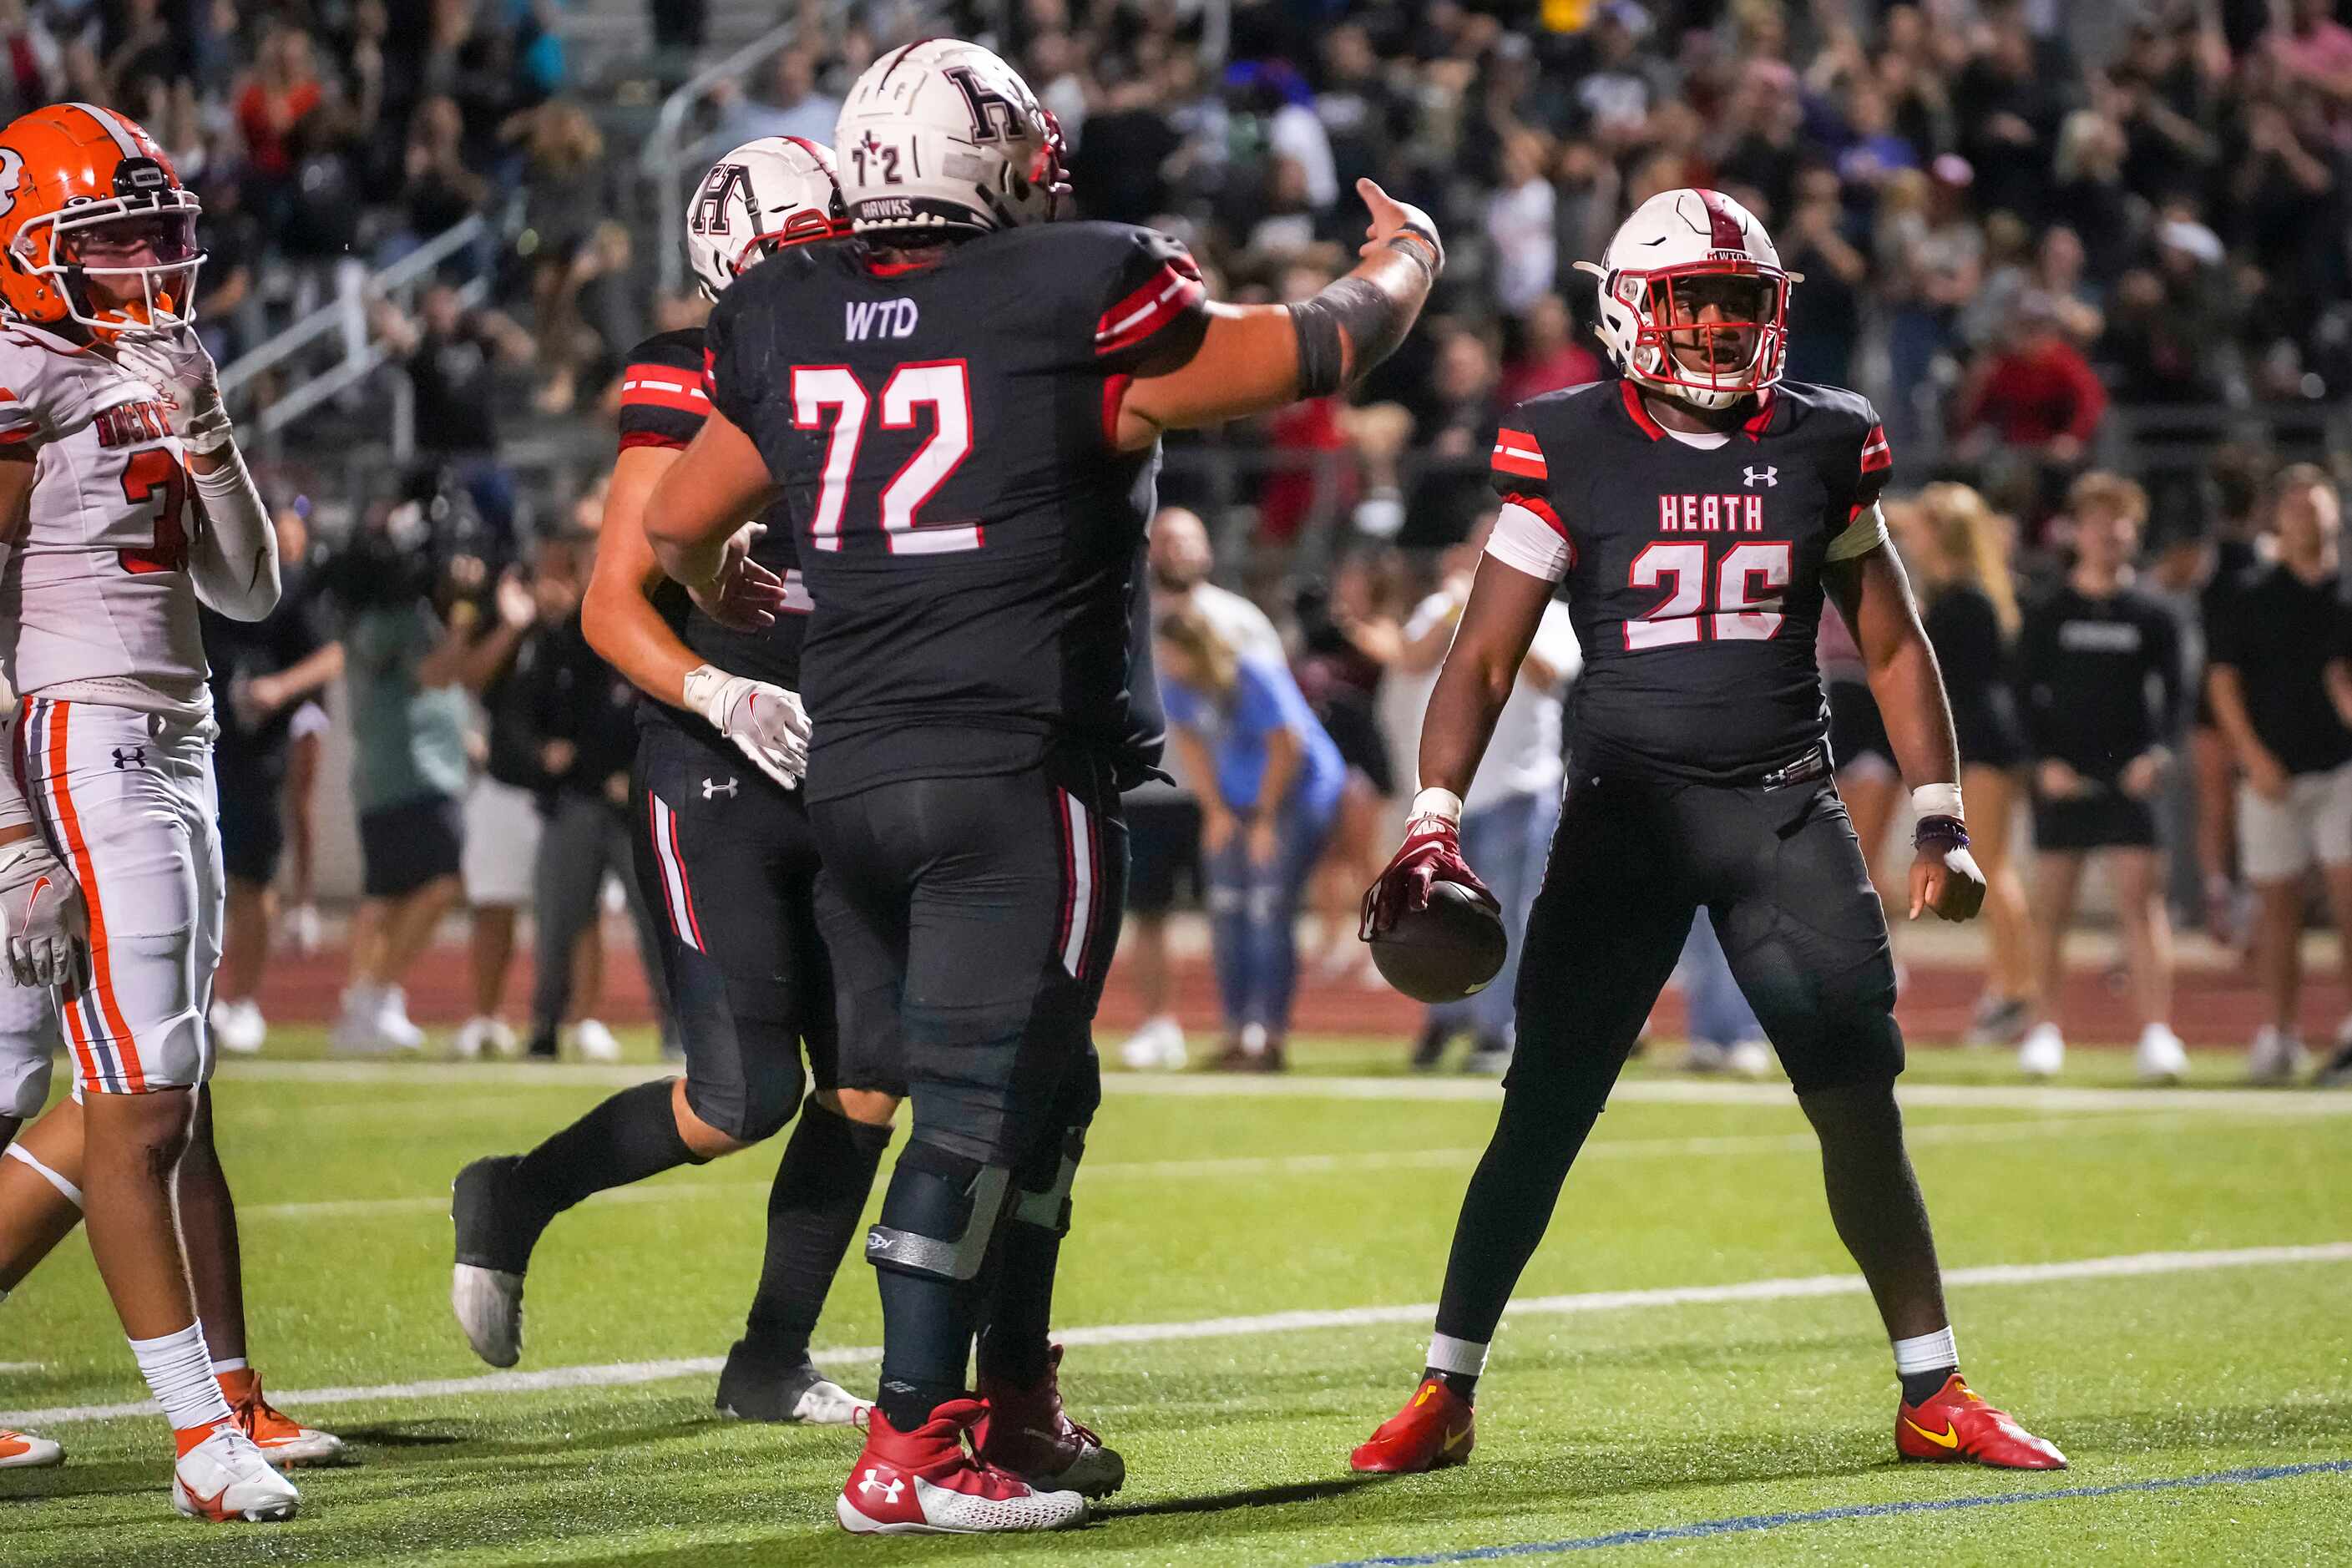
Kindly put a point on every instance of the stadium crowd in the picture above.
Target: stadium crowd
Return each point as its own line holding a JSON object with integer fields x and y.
{"x": 2067, "y": 257}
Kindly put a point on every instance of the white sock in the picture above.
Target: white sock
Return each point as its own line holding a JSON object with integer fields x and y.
{"x": 180, "y": 1371}
{"x": 233, "y": 1363}
{"x": 19, "y": 1152}
{"x": 1928, "y": 1353}
{"x": 1465, "y": 1357}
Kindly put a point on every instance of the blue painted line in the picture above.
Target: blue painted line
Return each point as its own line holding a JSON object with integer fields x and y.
{"x": 1746, "y": 1523}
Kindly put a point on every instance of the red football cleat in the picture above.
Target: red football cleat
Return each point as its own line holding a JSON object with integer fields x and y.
{"x": 1954, "y": 1425}
{"x": 1436, "y": 1428}
{"x": 1027, "y": 1432}
{"x": 923, "y": 1482}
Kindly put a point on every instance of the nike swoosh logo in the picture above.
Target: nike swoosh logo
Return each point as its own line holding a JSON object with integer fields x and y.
{"x": 1454, "y": 1440}
{"x": 1949, "y": 1437}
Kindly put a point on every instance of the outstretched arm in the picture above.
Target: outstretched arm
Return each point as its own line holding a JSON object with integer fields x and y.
{"x": 1875, "y": 596}
{"x": 1254, "y": 358}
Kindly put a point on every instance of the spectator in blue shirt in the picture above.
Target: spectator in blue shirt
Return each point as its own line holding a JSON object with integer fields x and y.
{"x": 1239, "y": 720}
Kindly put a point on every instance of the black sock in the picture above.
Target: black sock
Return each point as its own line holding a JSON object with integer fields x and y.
{"x": 813, "y": 1212}
{"x": 1463, "y": 1386}
{"x": 927, "y": 1338}
{"x": 1508, "y": 1207}
{"x": 629, "y": 1137}
{"x": 1013, "y": 1345}
{"x": 1919, "y": 1385}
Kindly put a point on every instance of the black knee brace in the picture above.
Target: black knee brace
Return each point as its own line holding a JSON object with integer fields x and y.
{"x": 1043, "y": 1198}
{"x": 939, "y": 1214}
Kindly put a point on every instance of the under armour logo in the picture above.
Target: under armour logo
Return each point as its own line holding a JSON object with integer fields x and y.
{"x": 134, "y": 757}
{"x": 889, "y": 1489}
{"x": 1762, "y": 476}
{"x": 710, "y": 790}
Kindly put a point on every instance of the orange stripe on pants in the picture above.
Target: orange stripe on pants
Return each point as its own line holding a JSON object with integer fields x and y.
{"x": 69, "y": 825}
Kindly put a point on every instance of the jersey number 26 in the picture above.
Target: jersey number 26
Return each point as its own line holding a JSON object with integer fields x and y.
{"x": 1741, "y": 615}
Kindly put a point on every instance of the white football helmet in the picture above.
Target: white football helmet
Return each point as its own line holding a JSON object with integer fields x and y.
{"x": 768, "y": 194}
{"x": 1709, "y": 251}
{"x": 944, "y": 136}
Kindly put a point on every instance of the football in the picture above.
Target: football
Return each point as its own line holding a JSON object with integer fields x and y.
{"x": 1445, "y": 950}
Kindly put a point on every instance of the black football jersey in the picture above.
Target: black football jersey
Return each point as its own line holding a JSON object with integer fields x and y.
{"x": 1694, "y": 573}
{"x": 973, "y": 541}
{"x": 664, "y": 399}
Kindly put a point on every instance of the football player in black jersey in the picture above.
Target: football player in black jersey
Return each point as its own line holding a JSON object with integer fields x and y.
{"x": 724, "y": 852}
{"x": 961, "y": 409}
{"x": 1697, "y": 511}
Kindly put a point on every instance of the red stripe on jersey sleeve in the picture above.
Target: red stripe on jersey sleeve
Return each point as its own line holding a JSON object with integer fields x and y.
{"x": 650, "y": 438}
{"x": 1517, "y": 453}
{"x": 674, "y": 391}
{"x": 1875, "y": 454}
{"x": 1543, "y": 510}
{"x": 1173, "y": 290}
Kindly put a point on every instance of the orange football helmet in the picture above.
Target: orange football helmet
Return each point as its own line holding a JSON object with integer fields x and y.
{"x": 87, "y": 195}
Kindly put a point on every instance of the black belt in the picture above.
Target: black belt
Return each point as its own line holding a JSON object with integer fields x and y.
{"x": 1814, "y": 765}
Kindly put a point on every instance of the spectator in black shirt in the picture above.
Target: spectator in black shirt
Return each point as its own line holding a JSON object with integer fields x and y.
{"x": 452, "y": 355}
{"x": 2099, "y": 669}
{"x": 262, "y": 673}
{"x": 583, "y": 713}
{"x": 502, "y": 819}
{"x": 2281, "y": 683}
{"x": 1960, "y": 549}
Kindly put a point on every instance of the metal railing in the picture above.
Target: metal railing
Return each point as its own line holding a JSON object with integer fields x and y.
{"x": 344, "y": 316}
{"x": 663, "y": 161}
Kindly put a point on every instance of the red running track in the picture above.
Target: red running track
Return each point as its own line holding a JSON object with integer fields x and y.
{"x": 2214, "y": 1006}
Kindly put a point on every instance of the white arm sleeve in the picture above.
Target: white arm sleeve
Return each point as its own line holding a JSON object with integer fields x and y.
{"x": 1865, "y": 533}
{"x": 234, "y": 558}
{"x": 1525, "y": 542}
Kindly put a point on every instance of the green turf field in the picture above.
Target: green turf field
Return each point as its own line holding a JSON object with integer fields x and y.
{"x": 1304, "y": 1196}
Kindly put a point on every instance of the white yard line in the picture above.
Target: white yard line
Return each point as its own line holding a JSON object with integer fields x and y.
{"x": 614, "y": 1374}
{"x": 1343, "y": 1163}
{"x": 1310, "y": 1086}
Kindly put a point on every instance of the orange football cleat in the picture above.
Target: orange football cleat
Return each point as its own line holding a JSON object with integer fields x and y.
{"x": 1436, "y": 1428}
{"x": 283, "y": 1439}
{"x": 21, "y": 1450}
{"x": 1956, "y": 1426}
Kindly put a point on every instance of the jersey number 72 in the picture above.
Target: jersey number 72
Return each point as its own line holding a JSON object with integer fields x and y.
{"x": 946, "y": 386}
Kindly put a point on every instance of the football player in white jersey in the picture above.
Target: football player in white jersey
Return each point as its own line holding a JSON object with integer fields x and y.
{"x": 122, "y": 498}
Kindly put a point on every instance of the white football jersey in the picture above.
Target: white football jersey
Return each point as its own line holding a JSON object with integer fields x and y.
{"x": 96, "y": 601}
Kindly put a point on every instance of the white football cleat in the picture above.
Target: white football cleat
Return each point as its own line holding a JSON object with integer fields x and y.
{"x": 238, "y": 1026}
{"x": 24, "y": 1451}
{"x": 2277, "y": 1056}
{"x": 2043, "y": 1052}
{"x": 2159, "y": 1056}
{"x": 227, "y": 1478}
{"x": 594, "y": 1042}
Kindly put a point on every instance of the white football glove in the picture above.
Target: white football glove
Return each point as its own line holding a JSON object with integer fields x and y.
{"x": 42, "y": 915}
{"x": 176, "y": 364}
{"x": 766, "y": 722}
